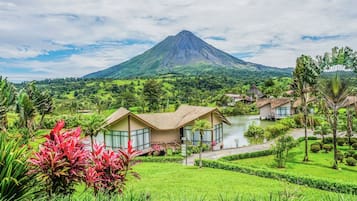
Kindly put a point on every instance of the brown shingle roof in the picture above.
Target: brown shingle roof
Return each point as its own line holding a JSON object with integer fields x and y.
{"x": 297, "y": 103}
{"x": 169, "y": 120}
{"x": 274, "y": 102}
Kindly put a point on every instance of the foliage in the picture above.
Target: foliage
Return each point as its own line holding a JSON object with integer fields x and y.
{"x": 275, "y": 130}
{"x": 288, "y": 122}
{"x": 7, "y": 98}
{"x": 354, "y": 145}
{"x": 26, "y": 110}
{"x": 108, "y": 169}
{"x": 313, "y": 182}
{"x": 92, "y": 126}
{"x": 247, "y": 155}
{"x": 160, "y": 159}
{"x": 61, "y": 161}
{"x": 15, "y": 183}
{"x": 340, "y": 141}
{"x": 315, "y": 148}
{"x": 152, "y": 92}
{"x": 327, "y": 148}
{"x": 254, "y": 131}
{"x": 343, "y": 56}
{"x": 334, "y": 92}
{"x": 281, "y": 148}
{"x": 201, "y": 126}
{"x": 305, "y": 77}
{"x": 351, "y": 161}
{"x": 322, "y": 130}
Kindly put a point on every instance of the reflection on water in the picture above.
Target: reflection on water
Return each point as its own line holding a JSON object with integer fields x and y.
{"x": 233, "y": 135}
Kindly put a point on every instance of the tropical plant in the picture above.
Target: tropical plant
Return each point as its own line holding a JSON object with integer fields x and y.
{"x": 255, "y": 132}
{"x": 334, "y": 92}
{"x": 15, "y": 183}
{"x": 92, "y": 126}
{"x": 304, "y": 81}
{"x": 281, "y": 148}
{"x": 108, "y": 169}
{"x": 349, "y": 126}
{"x": 201, "y": 126}
{"x": 61, "y": 161}
{"x": 26, "y": 110}
{"x": 7, "y": 98}
{"x": 152, "y": 93}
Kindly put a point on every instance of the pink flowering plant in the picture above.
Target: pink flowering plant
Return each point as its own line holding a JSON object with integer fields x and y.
{"x": 63, "y": 161}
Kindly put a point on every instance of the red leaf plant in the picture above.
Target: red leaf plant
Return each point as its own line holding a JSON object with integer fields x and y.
{"x": 61, "y": 160}
{"x": 109, "y": 169}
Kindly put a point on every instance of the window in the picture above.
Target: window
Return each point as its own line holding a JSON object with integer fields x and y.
{"x": 141, "y": 138}
{"x": 218, "y": 133}
{"x": 116, "y": 139}
{"x": 119, "y": 139}
{"x": 195, "y": 137}
{"x": 282, "y": 112}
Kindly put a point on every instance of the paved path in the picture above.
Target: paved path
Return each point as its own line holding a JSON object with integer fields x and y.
{"x": 296, "y": 133}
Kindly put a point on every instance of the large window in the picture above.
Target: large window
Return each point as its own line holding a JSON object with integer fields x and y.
{"x": 282, "y": 112}
{"x": 116, "y": 139}
{"x": 141, "y": 139}
{"x": 218, "y": 133}
{"x": 195, "y": 137}
{"x": 119, "y": 139}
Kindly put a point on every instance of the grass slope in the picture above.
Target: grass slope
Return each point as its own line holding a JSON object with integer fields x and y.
{"x": 318, "y": 166}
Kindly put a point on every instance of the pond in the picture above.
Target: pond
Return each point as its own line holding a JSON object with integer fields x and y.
{"x": 233, "y": 136}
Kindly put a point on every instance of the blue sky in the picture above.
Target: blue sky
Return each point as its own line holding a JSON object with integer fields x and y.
{"x": 54, "y": 39}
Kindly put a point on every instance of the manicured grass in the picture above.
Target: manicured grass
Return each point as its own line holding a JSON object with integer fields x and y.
{"x": 170, "y": 181}
{"x": 319, "y": 165}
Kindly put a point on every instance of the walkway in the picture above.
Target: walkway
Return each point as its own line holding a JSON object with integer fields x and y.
{"x": 296, "y": 133}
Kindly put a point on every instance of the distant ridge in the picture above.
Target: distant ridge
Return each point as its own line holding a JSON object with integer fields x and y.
{"x": 183, "y": 53}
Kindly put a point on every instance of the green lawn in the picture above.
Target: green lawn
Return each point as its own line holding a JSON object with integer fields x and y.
{"x": 170, "y": 181}
{"x": 319, "y": 164}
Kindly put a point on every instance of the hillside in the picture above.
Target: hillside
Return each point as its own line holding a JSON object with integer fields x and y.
{"x": 183, "y": 53}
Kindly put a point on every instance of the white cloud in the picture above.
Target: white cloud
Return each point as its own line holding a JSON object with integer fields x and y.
{"x": 29, "y": 28}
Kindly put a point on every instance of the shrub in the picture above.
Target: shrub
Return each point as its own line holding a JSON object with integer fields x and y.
{"x": 327, "y": 148}
{"x": 353, "y": 140}
{"x": 276, "y": 130}
{"x": 315, "y": 148}
{"x": 340, "y": 156}
{"x": 319, "y": 144}
{"x": 351, "y": 161}
{"x": 160, "y": 159}
{"x": 340, "y": 141}
{"x": 355, "y": 156}
{"x": 254, "y": 131}
{"x": 108, "y": 169}
{"x": 349, "y": 153}
{"x": 61, "y": 160}
{"x": 15, "y": 183}
{"x": 247, "y": 155}
{"x": 205, "y": 147}
{"x": 328, "y": 140}
{"x": 354, "y": 145}
{"x": 288, "y": 122}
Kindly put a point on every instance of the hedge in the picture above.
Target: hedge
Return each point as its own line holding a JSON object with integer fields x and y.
{"x": 160, "y": 159}
{"x": 247, "y": 155}
{"x": 309, "y": 181}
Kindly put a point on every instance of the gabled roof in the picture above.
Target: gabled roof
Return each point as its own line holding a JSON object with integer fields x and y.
{"x": 169, "y": 120}
{"x": 274, "y": 102}
{"x": 297, "y": 103}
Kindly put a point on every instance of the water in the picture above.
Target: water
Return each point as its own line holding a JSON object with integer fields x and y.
{"x": 234, "y": 135}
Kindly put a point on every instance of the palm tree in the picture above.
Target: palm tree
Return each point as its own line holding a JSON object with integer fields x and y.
{"x": 7, "y": 98}
{"x": 304, "y": 81}
{"x": 334, "y": 92}
{"x": 26, "y": 110}
{"x": 92, "y": 126}
{"x": 201, "y": 126}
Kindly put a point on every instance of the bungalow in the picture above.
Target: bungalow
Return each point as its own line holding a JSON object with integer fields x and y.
{"x": 145, "y": 130}
{"x": 234, "y": 98}
{"x": 274, "y": 108}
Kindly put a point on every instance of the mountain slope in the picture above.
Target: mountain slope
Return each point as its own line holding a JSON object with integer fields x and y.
{"x": 183, "y": 53}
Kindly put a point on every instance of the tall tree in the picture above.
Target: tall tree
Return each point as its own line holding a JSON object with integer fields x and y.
{"x": 304, "y": 81}
{"x": 201, "y": 126}
{"x": 26, "y": 110}
{"x": 334, "y": 92}
{"x": 7, "y": 98}
{"x": 152, "y": 92}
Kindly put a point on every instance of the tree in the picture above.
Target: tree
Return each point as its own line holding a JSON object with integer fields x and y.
{"x": 304, "y": 81}
{"x": 344, "y": 57}
{"x": 152, "y": 94}
{"x": 334, "y": 91}
{"x": 281, "y": 148}
{"x": 254, "y": 132}
{"x": 26, "y": 110}
{"x": 349, "y": 125}
{"x": 92, "y": 126}
{"x": 7, "y": 98}
{"x": 201, "y": 126}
